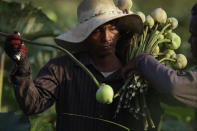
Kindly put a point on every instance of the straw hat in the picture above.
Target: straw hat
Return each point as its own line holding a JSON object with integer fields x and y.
{"x": 92, "y": 14}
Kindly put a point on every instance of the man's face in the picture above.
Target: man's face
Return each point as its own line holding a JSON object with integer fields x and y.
{"x": 103, "y": 40}
{"x": 193, "y": 36}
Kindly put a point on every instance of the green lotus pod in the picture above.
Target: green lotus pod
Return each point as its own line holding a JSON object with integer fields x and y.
{"x": 170, "y": 54}
{"x": 167, "y": 31}
{"x": 173, "y": 21}
{"x": 156, "y": 51}
{"x": 105, "y": 94}
{"x": 181, "y": 62}
{"x": 149, "y": 21}
{"x": 142, "y": 16}
{"x": 125, "y": 5}
{"x": 159, "y": 15}
{"x": 160, "y": 37}
{"x": 175, "y": 41}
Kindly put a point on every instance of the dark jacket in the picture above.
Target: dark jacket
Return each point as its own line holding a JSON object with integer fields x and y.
{"x": 63, "y": 82}
{"x": 181, "y": 85}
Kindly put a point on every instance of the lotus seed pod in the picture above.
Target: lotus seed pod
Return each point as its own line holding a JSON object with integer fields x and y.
{"x": 170, "y": 54}
{"x": 149, "y": 21}
{"x": 160, "y": 37}
{"x": 173, "y": 21}
{"x": 175, "y": 41}
{"x": 125, "y": 5}
{"x": 156, "y": 51}
{"x": 168, "y": 31}
{"x": 159, "y": 15}
{"x": 181, "y": 62}
{"x": 142, "y": 16}
{"x": 105, "y": 94}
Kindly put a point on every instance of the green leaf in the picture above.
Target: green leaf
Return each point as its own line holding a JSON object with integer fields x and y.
{"x": 31, "y": 22}
{"x": 182, "y": 114}
{"x": 12, "y": 122}
{"x": 172, "y": 125}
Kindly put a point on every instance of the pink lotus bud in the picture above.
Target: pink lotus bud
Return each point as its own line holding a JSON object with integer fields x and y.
{"x": 173, "y": 21}
{"x": 149, "y": 21}
{"x": 159, "y": 15}
{"x": 125, "y": 5}
{"x": 142, "y": 16}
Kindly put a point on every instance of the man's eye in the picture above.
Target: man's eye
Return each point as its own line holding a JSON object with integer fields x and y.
{"x": 97, "y": 31}
{"x": 113, "y": 28}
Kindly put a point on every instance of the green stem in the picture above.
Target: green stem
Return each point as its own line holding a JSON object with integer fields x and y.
{"x": 123, "y": 87}
{"x": 1, "y": 78}
{"x": 140, "y": 46}
{"x": 164, "y": 59}
{"x": 152, "y": 35}
{"x": 155, "y": 37}
{"x": 142, "y": 40}
{"x": 157, "y": 43}
{"x": 65, "y": 51}
{"x": 145, "y": 124}
{"x": 145, "y": 33}
{"x": 95, "y": 118}
{"x": 135, "y": 47}
{"x": 147, "y": 111}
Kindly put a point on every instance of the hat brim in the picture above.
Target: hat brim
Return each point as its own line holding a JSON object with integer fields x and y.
{"x": 71, "y": 40}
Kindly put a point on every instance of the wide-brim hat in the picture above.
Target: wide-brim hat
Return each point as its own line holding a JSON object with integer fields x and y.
{"x": 91, "y": 15}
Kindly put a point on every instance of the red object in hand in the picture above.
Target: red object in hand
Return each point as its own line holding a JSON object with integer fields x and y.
{"x": 14, "y": 40}
{"x": 15, "y": 47}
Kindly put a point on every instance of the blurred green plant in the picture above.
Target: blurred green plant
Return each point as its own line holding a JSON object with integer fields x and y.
{"x": 63, "y": 15}
{"x": 13, "y": 122}
{"x": 2, "y": 54}
{"x": 32, "y": 23}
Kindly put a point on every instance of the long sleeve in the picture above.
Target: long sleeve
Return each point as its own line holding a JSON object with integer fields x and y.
{"x": 38, "y": 95}
{"x": 182, "y": 85}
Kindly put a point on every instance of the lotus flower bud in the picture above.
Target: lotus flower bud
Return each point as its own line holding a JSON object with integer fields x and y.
{"x": 170, "y": 54}
{"x": 125, "y": 5}
{"x": 156, "y": 51}
{"x": 173, "y": 21}
{"x": 175, "y": 41}
{"x": 105, "y": 94}
{"x": 168, "y": 31}
{"x": 181, "y": 62}
{"x": 159, "y": 15}
{"x": 142, "y": 16}
{"x": 160, "y": 37}
{"x": 149, "y": 21}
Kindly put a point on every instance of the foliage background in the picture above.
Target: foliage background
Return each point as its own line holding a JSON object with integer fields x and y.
{"x": 62, "y": 15}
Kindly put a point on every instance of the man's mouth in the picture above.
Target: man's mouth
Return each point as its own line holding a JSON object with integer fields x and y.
{"x": 107, "y": 46}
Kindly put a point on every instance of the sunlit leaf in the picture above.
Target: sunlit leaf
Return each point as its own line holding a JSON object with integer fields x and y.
{"x": 31, "y": 22}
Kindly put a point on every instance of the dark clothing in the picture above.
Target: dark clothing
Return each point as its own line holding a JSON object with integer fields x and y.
{"x": 182, "y": 85}
{"x": 65, "y": 83}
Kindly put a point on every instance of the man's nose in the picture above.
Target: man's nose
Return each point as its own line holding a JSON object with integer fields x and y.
{"x": 106, "y": 36}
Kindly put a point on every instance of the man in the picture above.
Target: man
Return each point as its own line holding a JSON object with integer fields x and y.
{"x": 100, "y": 29}
{"x": 182, "y": 86}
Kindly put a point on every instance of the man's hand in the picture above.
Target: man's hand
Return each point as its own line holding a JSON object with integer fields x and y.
{"x": 128, "y": 69}
{"x": 15, "y": 48}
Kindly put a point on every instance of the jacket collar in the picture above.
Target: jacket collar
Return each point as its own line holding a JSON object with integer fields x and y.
{"x": 84, "y": 58}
